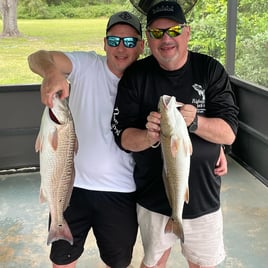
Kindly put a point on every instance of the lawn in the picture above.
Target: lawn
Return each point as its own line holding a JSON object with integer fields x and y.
{"x": 64, "y": 35}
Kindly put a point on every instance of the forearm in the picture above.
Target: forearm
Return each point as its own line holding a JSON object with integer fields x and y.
{"x": 136, "y": 140}
{"x": 54, "y": 67}
{"x": 41, "y": 62}
{"x": 215, "y": 130}
{"x": 50, "y": 63}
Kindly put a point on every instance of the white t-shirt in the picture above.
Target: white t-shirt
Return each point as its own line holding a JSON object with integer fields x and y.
{"x": 99, "y": 163}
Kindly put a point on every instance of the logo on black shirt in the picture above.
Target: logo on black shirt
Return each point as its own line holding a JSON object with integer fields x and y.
{"x": 201, "y": 100}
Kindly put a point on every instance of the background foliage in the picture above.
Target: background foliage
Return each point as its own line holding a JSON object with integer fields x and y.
{"x": 208, "y": 27}
{"x": 60, "y": 9}
{"x": 208, "y": 24}
{"x": 56, "y": 34}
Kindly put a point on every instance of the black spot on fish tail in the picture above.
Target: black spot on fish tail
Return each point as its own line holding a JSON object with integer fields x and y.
{"x": 60, "y": 231}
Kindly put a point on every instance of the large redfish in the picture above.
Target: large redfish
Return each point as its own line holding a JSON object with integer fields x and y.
{"x": 56, "y": 143}
{"x": 176, "y": 151}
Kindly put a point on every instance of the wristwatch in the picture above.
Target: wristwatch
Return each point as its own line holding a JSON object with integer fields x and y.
{"x": 194, "y": 125}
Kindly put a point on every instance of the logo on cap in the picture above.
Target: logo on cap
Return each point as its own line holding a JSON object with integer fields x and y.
{"x": 163, "y": 8}
{"x": 125, "y": 16}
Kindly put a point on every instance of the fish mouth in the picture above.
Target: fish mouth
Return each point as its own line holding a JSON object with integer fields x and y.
{"x": 53, "y": 117}
{"x": 166, "y": 99}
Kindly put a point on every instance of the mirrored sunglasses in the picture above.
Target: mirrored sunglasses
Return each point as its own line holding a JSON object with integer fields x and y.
{"x": 129, "y": 42}
{"x": 171, "y": 32}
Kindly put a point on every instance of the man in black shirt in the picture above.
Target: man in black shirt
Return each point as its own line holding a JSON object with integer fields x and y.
{"x": 202, "y": 84}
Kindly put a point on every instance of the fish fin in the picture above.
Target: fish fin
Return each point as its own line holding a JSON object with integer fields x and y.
{"x": 60, "y": 232}
{"x": 38, "y": 143}
{"x": 176, "y": 228}
{"x": 174, "y": 145}
{"x": 178, "y": 104}
{"x": 188, "y": 148}
{"x": 53, "y": 139}
{"x": 169, "y": 226}
{"x": 42, "y": 197}
{"x": 186, "y": 195}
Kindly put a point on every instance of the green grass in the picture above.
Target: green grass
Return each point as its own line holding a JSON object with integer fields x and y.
{"x": 64, "y": 35}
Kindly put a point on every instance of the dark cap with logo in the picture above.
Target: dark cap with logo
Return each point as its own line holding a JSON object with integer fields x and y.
{"x": 168, "y": 10}
{"x": 124, "y": 17}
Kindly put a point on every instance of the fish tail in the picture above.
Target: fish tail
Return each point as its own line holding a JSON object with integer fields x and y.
{"x": 57, "y": 232}
{"x": 176, "y": 228}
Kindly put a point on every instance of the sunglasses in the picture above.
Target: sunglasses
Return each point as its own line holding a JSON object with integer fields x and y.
{"x": 171, "y": 32}
{"x": 129, "y": 42}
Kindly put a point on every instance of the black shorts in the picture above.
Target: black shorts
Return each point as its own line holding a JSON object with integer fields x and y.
{"x": 113, "y": 219}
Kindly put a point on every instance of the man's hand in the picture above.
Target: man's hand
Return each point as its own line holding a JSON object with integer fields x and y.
{"x": 153, "y": 128}
{"x": 54, "y": 83}
{"x": 188, "y": 112}
{"x": 221, "y": 165}
{"x": 54, "y": 67}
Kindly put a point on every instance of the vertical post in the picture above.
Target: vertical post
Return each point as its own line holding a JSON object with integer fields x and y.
{"x": 231, "y": 36}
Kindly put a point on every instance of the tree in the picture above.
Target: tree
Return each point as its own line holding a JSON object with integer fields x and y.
{"x": 8, "y": 8}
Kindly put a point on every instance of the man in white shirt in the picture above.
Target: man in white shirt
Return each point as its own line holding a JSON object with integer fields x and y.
{"x": 103, "y": 197}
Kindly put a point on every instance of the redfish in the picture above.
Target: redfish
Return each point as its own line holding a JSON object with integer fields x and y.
{"x": 176, "y": 149}
{"x": 56, "y": 143}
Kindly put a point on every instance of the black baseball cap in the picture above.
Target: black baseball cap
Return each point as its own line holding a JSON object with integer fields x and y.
{"x": 166, "y": 9}
{"x": 124, "y": 17}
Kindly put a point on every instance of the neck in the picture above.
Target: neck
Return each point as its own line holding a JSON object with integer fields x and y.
{"x": 173, "y": 65}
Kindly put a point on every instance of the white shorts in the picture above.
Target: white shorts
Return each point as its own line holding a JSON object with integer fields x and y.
{"x": 203, "y": 238}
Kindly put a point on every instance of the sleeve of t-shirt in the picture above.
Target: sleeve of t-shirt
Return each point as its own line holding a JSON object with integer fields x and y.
{"x": 126, "y": 108}
{"x": 81, "y": 60}
{"x": 220, "y": 99}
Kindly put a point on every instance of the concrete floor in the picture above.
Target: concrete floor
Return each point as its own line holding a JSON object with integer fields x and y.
{"x": 23, "y": 224}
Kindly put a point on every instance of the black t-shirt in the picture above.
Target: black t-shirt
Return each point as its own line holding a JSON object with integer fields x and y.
{"x": 203, "y": 82}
